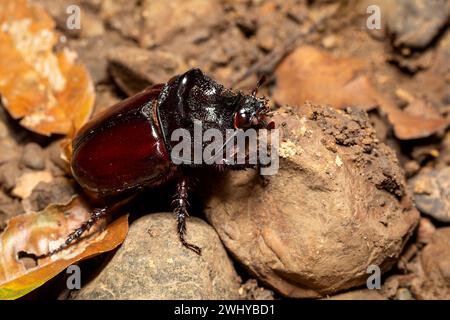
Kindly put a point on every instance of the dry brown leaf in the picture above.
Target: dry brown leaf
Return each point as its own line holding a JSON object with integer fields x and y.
{"x": 37, "y": 233}
{"x": 48, "y": 91}
{"x": 407, "y": 126}
{"x": 314, "y": 75}
{"x": 422, "y": 108}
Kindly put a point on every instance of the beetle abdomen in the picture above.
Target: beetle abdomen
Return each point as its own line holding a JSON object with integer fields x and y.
{"x": 121, "y": 148}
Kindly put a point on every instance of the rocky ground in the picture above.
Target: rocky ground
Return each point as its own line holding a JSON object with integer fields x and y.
{"x": 364, "y": 165}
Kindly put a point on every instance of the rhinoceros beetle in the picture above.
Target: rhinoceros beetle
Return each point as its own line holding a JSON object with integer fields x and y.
{"x": 128, "y": 146}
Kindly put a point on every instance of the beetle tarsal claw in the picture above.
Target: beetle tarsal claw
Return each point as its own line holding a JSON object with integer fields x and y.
{"x": 182, "y": 214}
{"x": 190, "y": 246}
{"x": 181, "y": 203}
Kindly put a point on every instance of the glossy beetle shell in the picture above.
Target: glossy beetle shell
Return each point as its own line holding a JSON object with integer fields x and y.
{"x": 128, "y": 146}
{"x": 122, "y": 148}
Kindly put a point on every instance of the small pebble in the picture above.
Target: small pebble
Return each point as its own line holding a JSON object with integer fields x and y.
{"x": 425, "y": 230}
{"x": 403, "y": 294}
{"x": 9, "y": 172}
{"x": 329, "y": 42}
{"x": 3, "y": 130}
{"x": 33, "y": 157}
{"x": 432, "y": 193}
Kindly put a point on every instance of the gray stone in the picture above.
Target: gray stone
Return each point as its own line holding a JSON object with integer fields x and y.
{"x": 432, "y": 193}
{"x": 9, "y": 150}
{"x": 33, "y": 157}
{"x": 9, "y": 173}
{"x": 415, "y": 23}
{"x": 60, "y": 190}
{"x": 152, "y": 264}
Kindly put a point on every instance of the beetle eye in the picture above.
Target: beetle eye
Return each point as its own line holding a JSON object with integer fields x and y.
{"x": 242, "y": 120}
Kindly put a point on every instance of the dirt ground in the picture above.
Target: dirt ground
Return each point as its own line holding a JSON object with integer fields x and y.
{"x": 316, "y": 50}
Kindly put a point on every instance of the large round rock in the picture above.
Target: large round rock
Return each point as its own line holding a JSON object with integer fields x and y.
{"x": 337, "y": 205}
{"x": 152, "y": 264}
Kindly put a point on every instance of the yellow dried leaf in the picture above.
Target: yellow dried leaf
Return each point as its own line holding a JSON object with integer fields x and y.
{"x": 50, "y": 92}
{"x": 37, "y": 233}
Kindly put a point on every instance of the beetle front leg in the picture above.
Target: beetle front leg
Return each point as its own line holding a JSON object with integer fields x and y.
{"x": 180, "y": 209}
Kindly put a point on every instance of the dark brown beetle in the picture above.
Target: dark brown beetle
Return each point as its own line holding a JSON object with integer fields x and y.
{"x": 128, "y": 147}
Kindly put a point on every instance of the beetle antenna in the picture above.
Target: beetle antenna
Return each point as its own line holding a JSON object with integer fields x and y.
{"x": 260, "y": 82}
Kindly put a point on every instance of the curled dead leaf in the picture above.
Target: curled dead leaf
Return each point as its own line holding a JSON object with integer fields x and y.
{"x": 39, "y": 84}
{"x": 315, "y": 75}
{"x": 36, "y": 233}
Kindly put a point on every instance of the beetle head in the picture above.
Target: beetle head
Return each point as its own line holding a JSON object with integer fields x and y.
{"x": 251, "y": 112}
